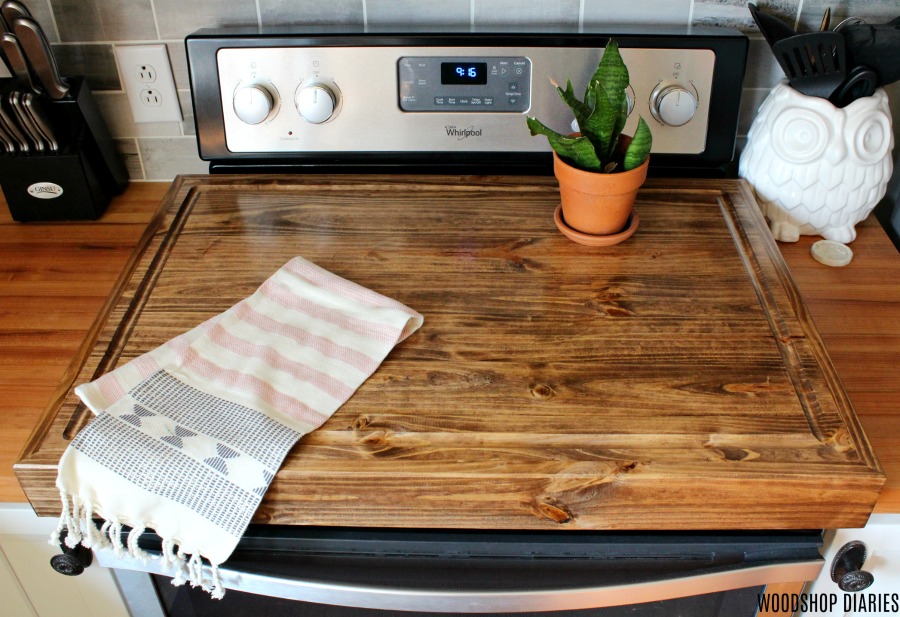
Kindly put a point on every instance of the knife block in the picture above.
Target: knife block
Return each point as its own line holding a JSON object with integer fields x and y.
{"x": 53, "y": 187}
{"x": 74, "y": 183}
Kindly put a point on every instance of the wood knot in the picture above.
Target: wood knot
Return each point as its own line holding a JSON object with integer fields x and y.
{"x": 611, "y": 301}
{"x": 556, "y": 512}
{"x": 542, "y": 391}
{"x": 733, "y": 454}
{"x": 375, "y": 439}
{"x": 360, "y": 423}
{"x": 841, "y": 440}
{"x": 627, "y": 466}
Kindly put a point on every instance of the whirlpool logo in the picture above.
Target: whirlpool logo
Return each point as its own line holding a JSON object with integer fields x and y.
{"x": 45, "y": 190}
{"x": 460, "y": 134}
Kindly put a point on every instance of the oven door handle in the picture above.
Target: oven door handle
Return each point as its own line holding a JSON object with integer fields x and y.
{"x": 496, "y": 601}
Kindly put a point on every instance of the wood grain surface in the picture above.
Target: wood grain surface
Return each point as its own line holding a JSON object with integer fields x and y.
{"x": 54, "y": 280}
{"x": 675, "y": 381}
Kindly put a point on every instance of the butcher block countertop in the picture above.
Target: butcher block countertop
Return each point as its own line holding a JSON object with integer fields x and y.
{"x": 688, "y": 378}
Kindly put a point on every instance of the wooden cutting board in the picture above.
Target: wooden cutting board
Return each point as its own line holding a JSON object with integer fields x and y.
{"x": 674, "y": 381}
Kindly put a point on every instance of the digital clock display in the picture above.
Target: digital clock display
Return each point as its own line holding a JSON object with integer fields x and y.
{"x": 461, "y": 73}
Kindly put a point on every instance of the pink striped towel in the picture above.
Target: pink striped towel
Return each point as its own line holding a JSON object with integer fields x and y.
{"x": 187, "y": 437}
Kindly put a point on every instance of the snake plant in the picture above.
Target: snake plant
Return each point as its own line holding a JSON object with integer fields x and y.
{"x": 601, "y": 117}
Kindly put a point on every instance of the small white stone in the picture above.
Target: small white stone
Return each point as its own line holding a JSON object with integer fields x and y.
{"x": 831, "y": 253}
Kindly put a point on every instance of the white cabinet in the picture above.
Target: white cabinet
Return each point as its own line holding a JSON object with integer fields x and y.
{"x": 882, "y": 539}
{"x": 31, "y": 588}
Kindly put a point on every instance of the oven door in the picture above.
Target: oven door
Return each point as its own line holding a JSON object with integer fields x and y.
{"x": 454, "y": 571}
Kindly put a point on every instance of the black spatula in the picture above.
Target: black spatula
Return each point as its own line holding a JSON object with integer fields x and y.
{"x": 771, "y": 27}
{"x": 815, "y": 63}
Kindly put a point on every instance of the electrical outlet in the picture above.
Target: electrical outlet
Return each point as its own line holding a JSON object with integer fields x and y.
{"x": 148, "y": 82}
{"x": 146, "y": 74}
{"x": 151, "y": 98}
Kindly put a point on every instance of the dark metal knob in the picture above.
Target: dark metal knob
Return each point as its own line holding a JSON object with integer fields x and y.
{"x": 846, "y": 569}
{"x": 73, "y": 561}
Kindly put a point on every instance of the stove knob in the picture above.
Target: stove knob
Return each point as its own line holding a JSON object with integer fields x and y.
{"x": 673, "y": 105}
{"x": 315, "y": 103}
{"x": 253, "y": 103}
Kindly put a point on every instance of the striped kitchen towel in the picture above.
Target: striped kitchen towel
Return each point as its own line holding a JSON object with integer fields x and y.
{"x": 187, "y": 437}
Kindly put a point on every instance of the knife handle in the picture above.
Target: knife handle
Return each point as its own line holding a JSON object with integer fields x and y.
{"x": 15, "y": 101}
{"x": 40, "y": 56}
{"x": 12, "y": 10}
{"x": 40, "y": 120}
{"x": 15, "y": 57}
{"x": 12, "y": 128}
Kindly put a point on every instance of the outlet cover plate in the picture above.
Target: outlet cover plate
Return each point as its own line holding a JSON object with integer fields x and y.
{"x": 136, "y": 62}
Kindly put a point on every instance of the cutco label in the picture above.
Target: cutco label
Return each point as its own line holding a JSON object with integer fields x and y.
{"x": 45, "y": 190}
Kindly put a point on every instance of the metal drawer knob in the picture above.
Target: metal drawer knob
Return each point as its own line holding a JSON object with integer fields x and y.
{"x": 72, "y": 561}
{"x": 846, "y": 569}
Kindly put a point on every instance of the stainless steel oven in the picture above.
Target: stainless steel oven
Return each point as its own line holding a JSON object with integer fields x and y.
{"x": 441, "y": 101}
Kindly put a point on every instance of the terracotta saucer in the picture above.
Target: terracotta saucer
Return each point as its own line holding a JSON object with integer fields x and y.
{"x": 591, "y": 240}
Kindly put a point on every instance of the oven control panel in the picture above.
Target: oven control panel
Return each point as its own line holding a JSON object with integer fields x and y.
{"x": 320, "y": 96}
{"x": 464, "y": 84}
{"x": 285, "y": 99}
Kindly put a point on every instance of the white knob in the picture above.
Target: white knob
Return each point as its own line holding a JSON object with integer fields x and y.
{"x": 315, "y": 103}
{"x": 252, "y": 104}
{"x": 673, "y": 105}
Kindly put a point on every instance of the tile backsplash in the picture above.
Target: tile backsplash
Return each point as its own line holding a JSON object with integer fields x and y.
{"x": 84, "y": 35}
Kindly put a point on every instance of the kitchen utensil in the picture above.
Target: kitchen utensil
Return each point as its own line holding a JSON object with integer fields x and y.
{"x": 7, "y": 141}
{"x": 15, "y": 101}
{"x": 3, "y": 55}
{"x": 12, "y": 10}
{"x": 862, "y": 81}
{"x": 815, "y": 63}
{"x": 876, "y": 47}
{"x": 772, "y": 28}
{"x": 15, "y": 59}
{"x": 10, "y": 124}
{"x": 40, "y": 56}
{"x": 41, "y": 121}
{"x": 826, "y": 20}
{"x": 850, "y": 21}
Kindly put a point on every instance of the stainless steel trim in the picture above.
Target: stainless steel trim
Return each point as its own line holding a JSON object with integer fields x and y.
{"x": 387, "y": 598}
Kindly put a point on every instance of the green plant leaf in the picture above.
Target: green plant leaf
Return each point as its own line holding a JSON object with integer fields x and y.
{"x": 621, "y": 119}
{"x": 579, "y": 109}
{"x": 600, "y": 125}
{"x": 639, "y": 148}
{"x": 577, "y": 150}
{"x": 612, "y": 73}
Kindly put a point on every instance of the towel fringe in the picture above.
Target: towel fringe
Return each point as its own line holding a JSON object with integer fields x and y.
{"x": 132, "y": 544}
{"x": 93, "y": 538}
{"x": 217, "y": 592}
{"x": 191, "y": 570}
{"x": 115, "y": 537}
{"x": 63, "y": 519}
{"x": 77, "y": 520}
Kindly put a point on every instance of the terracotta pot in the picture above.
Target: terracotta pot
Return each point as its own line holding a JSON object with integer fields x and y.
{"x": 595, "y": 203}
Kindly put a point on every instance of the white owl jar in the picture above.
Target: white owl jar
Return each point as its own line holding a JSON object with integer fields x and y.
{"x": 818, "y": 169}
